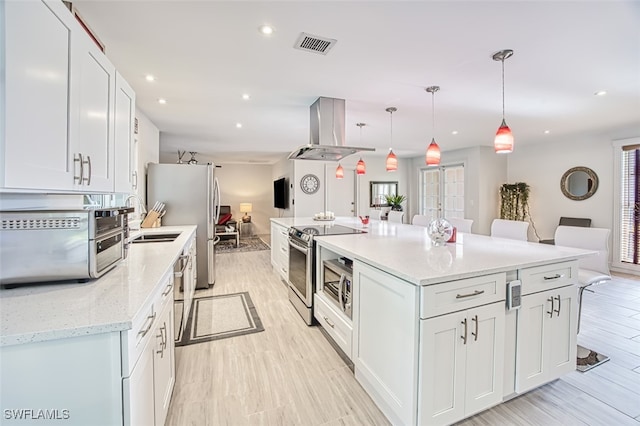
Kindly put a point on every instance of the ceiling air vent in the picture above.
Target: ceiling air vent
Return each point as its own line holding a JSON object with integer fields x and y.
{"x": 315, "y": 44}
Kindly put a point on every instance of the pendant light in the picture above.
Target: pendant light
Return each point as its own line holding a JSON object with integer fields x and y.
{"x": 392, "y": 160}
{"x": 432, "y": 158}
{"x": 339, "y": 172}
{"x": 361, "y": 168}
{"x": 503, "y": 143}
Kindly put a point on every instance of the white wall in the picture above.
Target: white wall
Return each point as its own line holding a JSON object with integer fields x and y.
{"x": 283, "y": 169}
{"x": 542, "y": 166}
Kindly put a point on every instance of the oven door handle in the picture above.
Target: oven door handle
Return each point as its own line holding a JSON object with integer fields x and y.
{"x": 341, "y": 292}
{"x": 304, "y": 249}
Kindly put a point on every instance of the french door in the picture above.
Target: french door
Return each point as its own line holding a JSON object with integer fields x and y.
{"x": 442, "y": 191}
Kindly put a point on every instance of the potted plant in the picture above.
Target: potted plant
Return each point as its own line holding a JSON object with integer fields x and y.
{"x": 395, "y": 201}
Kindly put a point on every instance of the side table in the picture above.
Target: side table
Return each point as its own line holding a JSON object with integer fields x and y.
{"x": 245, "y": 228}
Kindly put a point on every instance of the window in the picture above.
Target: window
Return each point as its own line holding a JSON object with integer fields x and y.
{"x": 625, "y": 249}
{"x": 442, "y": 192}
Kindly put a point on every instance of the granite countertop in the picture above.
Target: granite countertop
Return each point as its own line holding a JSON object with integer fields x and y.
{"x": 405, "y": 251}
{"x": 42, "y": 312}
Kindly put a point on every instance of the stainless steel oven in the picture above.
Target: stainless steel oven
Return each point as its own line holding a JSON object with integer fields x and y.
{"x": 301, "y": 287}
{"x": 337, "y": 282}
{"x": 302, "y": 263}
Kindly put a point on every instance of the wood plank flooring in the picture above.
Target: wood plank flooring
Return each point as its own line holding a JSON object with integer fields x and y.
{"x": 290, "y": 375}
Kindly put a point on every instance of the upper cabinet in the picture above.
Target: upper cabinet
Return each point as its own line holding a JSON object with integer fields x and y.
{"x": 126, "y": 167}
{"x": 59, "y": 103}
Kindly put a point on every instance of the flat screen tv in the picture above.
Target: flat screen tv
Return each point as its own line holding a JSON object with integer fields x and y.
{"x": 280, "y": 194}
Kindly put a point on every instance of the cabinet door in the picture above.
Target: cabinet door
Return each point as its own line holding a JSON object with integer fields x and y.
{"x": 442, "y": 369}
{"x": 37, "y": 143}
{"x": 485, "y": 356}
{"x": 164, "y": 363}
{"x": 124, "y": 144}
{"x": 95, "y": 136}
{"x": 546, "y": 344}
{"x": 139, "y": 391}
{"x": 561, "y": 333}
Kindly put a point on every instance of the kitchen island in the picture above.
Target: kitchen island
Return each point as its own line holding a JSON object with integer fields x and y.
{"x": 432, "y": 339}
{"x": 94, "y": 353}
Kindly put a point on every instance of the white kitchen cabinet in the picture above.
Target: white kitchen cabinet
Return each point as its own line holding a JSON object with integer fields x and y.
{"x": 461, "y": 363}
{"x": 189, "y": 277}
{"x": 138, "y": 391}
{"x": 547, "y": 337}
{"x": 58, "y": 104}
{"x": 126, "y": 167}
{"x": 280, "y": 250}
{"x": 94, "y": 124}
{"x": 385, "y": 341}
{"x": 37, "y": 141}
{"x": 163, "y": 363}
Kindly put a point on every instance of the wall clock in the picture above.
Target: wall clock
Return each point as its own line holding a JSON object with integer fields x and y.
{"x": 310, "y": 184}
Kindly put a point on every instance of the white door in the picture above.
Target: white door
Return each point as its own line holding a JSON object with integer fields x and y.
{"x": 561, "y": 340}
{"x": 139, "y": 388}
{"x": 163, "y": 363}
{"x": 341, "y": 192}
{"x": 37, "y": 108}
{"x": 485, "y": 355}
{"x": 125, "y": 174}
{"x": 442, "y": 192}
{"x": 442, "y": 369}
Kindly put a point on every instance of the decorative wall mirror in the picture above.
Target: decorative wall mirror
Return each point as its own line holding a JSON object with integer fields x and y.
{"x": 378, "y": 192}
{"x": 579, "y": 183}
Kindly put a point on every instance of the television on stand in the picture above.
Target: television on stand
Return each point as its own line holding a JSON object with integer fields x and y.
{"x": 280, "y": 194}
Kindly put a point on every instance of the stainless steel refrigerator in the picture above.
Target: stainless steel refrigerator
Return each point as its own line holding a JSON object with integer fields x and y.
{"x": 192, "y": 197}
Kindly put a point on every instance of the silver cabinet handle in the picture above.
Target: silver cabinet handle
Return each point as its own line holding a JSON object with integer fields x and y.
{"x": 81, "y": 163}
{"x": 329, "y": 322}
{"x": 168, "y": 290}
{"x": 184, "y": 267}
{"x": 475, "y": 293}
{"x": 554, "y": 277}
{"x": 475, "y": 335}
{"x": 163, "y": 339}
{"x": 559, "y": 306}
{"x": 340, "y": 292}
{"x": 88, "y": 178}
{"x": 464, "y": 338}
{"x": 551, "y": 299}
{"x": 150, "y": 319}
{"x": 135, "y": 180}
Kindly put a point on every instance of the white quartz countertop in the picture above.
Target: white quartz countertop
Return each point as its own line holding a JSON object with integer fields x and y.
{"x": 54, "y": 311}
{"x": 406, "y": 251}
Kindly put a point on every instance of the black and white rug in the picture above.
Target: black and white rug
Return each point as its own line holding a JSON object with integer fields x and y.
{"x": 245, "y": 244}
{"x": 217, "y": 317}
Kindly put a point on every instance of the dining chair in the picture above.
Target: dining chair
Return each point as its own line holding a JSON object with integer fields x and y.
{"x": 512, "y": 229}
{"x": 395, "y": 216}
{"x": 420, "y": 220}
{"x": 461, "y": 225}
{"x": 592, "y": 270}
{"x": 375, "y": 214}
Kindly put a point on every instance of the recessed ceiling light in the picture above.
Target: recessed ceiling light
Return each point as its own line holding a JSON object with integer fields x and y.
{"x": 246, "y": 96}
{"x": 546, "y": 132}
{"x": 150, "y": 77}
{"x": 600, "y": 93}
{"x": 266, "y": 29}
{"x": 239, "y": 125}
{"x": 455, "y": 132}
{"x": 162, "y": 101}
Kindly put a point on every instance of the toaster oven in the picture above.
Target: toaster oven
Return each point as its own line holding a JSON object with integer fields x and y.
{"x": 39, "y": 246}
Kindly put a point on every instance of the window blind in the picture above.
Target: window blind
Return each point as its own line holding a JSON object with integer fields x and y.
{"x": 630, "y": 205}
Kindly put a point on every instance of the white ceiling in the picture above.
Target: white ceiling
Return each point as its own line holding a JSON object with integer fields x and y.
{"x": 206, "y": 54}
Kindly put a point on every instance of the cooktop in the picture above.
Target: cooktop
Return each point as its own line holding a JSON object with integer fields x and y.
{"x": 320, "y": 230}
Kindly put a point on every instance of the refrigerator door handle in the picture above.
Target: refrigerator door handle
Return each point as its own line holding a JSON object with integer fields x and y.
{"x": 211, "y": 259}
{"x": 217, "y": 200}
{"x": 211, "y": 225}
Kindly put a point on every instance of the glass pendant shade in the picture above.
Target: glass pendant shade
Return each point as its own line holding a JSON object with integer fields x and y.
{"x": 360, "y": 167}
{"x": 433, "y": 154}
{"x": 339, "y": 172}
{"x": 503, "y": 143}
{"x": 392, "y": 162}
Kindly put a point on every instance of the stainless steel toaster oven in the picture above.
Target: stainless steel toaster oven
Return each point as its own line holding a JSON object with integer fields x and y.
{"x": 58, "y": 245}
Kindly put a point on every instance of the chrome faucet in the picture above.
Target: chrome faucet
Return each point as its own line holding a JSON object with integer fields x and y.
{"x": 143, "y": 209}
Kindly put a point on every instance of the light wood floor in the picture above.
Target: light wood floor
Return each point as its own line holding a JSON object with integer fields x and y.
{"x": 290, "y": 375}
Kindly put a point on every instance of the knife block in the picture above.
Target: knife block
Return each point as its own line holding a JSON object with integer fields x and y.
{"x": 151, "y": 220}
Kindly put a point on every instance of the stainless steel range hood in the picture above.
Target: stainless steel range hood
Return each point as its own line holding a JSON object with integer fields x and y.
{"x": 327, "y": 120}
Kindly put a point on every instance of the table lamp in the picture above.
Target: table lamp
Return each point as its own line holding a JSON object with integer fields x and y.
{"x": 245, "y": 208}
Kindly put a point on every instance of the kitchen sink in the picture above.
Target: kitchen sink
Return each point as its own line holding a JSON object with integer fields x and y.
{"x": 155, "y": 238}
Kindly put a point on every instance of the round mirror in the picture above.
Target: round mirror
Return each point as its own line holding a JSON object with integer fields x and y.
{"x": 579, "y": 183}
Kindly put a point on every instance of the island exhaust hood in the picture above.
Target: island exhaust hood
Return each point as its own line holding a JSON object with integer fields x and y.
{"x": 326, "y": 133}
